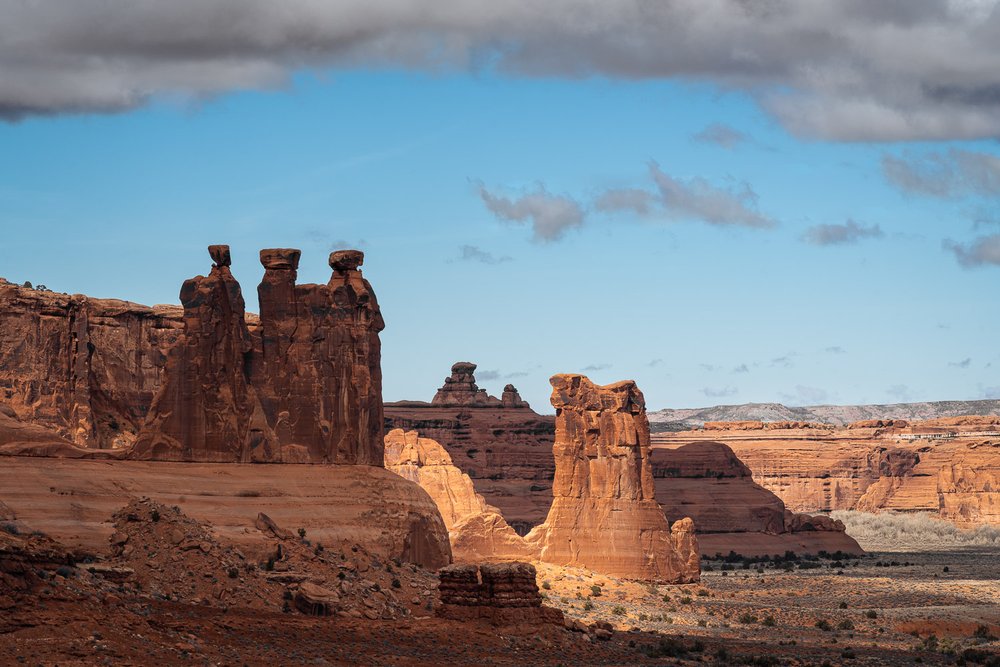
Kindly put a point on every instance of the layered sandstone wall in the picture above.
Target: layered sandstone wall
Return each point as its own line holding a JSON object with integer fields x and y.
{"x": 501, "y": 443}
{"x": 85, "y": 368}
{"x": 604, "y": 514}
{"x": 501, "y": 593}
{"x": 945, "y": 467}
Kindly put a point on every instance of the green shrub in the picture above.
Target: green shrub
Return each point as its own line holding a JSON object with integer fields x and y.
{"x": 618, "y": 610}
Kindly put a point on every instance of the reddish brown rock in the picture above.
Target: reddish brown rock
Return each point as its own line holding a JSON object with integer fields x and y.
{"x": 304, "y": 386}
{"x": 460, "y": 388}
{"x": 85, "y": 368}
{"x": 206, "y": 409}
{"x": 317, "y": 366}
{"x": 501, "y": 593}
{"x": 502, "y": 444}
{"x": 604, "y": 514}
{"x": 706, "y": 481}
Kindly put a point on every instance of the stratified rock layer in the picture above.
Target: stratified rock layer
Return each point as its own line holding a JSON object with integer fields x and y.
{"x": 304, "y": 386}
{"x": 85, "y": 368}
{"x": 501, "y": 593}
{"x": 706, "y": 481}
{"x": 948, "y": 467}
{"x": 501, "y": 443}
{"x": 604, "y": 514}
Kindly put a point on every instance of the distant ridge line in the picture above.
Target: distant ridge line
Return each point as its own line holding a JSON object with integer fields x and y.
{"x": 682, "y": 419}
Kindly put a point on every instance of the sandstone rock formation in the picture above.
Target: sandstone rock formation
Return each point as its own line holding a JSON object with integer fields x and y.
{"x": 71, "y": 500}
{"x": 317, "y": 363}
{"x": 604, "y": 514}
{"x": 460, "y": 388}
{"x": 503, "y": 445}
{"x": 476, "y": 530}
{"x": 425, "y": 462}
{"x": 206, "y": 409}
{"x": 706, "y": 481}
{"x": 85, "y": 368}
{"x": 304, "y": 386}
{"x": 501, "y": 593}
{"x": 945, "y": 466}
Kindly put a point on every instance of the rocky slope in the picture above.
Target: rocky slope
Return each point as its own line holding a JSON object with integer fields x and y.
{"x": 670, "y": 419}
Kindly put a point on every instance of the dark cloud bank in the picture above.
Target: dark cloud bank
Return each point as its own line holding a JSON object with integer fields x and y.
{"x": 836, "y": 69}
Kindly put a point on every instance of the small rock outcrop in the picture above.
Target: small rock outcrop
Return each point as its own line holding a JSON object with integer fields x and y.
{"x": 501, "y": 593}
{"x": 303, "y": 386}
{"x": 460, "y": 388}
{"x": 604, "y": 514}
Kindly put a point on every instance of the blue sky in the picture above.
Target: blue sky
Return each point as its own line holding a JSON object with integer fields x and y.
{"x": 777, "y": 265}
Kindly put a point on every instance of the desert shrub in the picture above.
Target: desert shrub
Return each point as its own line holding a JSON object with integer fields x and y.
{"x": 891, "y": 529}
{"x": 685, "y": 600}
{"x": 248, "y": 493}
{"x": 302, "y": 533}
{"x": 618, "y": 610}
{"x": 588, "y": 605}
{"x": 845, "y": 624}
{"x": 10, "y": 528}
{"x": 65, "y": 571}
{"x": 842, "y": 605}
{"x": 546, "y": 585}
{"x": 769, "y": 621}
{"x": 154, "y": 515}
{"x": 824, "y": 625}
{"x": 233, "y": 572}
{"x": 703, "y": 593}
{"x": 595, "y": 591}
{"x": 983, "y": 632}
{"x": 396, "y": 583}
{"x": 702, "y": 623}
{"x": 747, "y": 618}
{"x": 871, "y": 613}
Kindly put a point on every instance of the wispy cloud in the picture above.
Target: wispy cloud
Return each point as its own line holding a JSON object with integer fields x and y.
{"x": 847, "y": 233}
{"x": 783, "y": 361}
{"x": 719, "y": 392}
{"x": 471, "y": 253}
{"x": 694, "y": 199}
{"x": 983, "y": 251}
{"x": 721, "y": 135}
{"x": 900, "y": 393}
{"x": 950, "y": 174}
{"x": 655, "y": 362}
{"x": 596, "y": 367}
{"x": 835, "y": 349}
{"x": 964, "y": 363}
{"x": 742, "y": 368}
{"x": 549, "y": 215}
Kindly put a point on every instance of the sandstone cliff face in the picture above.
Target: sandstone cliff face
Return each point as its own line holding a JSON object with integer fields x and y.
{"x": 318, "y": 363}
{"x": 501, "y": 593}
{"x": 503, "y": 445}
{"x": 946, "y": 467}
{"x": 85, "y": 368}
{"x": 476, "y": 530}
{"x": 425, "y": 462}
{"x": 304, "y": 386}
{"x": 206, "y": 409}
{"x": 604, "y": 514}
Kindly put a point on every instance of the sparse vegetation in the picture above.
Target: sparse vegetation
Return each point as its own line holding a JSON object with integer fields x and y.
{"x": 892, "y": 528}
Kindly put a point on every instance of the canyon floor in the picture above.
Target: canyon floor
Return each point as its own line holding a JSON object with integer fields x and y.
{"x": 884, "y": 609}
